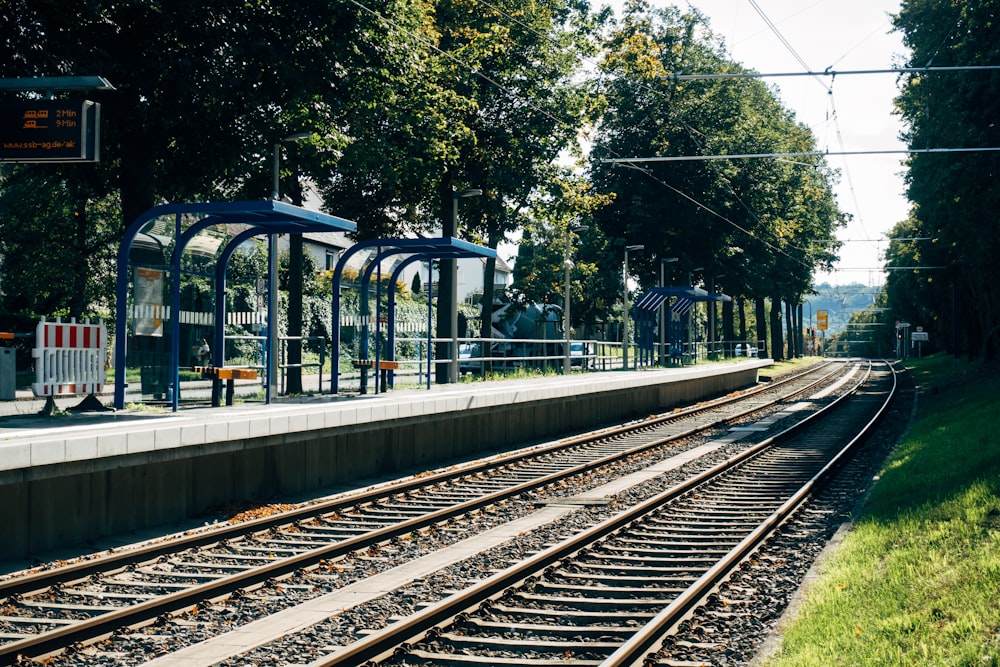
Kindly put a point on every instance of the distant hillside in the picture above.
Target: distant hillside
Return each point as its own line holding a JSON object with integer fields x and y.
{"x": 840, "y": 301}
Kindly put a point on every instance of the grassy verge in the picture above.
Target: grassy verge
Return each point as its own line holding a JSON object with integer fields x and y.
{"x": 917, "y": 580}
{"x": 789, "y": 366}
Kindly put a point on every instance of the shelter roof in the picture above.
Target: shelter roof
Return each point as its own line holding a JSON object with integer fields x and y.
{"x": 272, "y": 215}
{"x": 655, "y": 296}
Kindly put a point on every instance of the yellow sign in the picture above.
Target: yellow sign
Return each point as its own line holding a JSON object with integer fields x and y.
{"x": 821, "y": 319}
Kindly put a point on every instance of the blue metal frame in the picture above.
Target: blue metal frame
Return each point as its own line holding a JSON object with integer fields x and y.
{"x": 646, "y": 306}
{"x": 391, "y": 325}
{"x": 426, "y": 248}
{"x": 264, "y": 217}
{"x": 376, "y": 264}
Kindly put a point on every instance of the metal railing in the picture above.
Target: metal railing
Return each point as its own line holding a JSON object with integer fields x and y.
{"x": 283, "y": 366}
{"x": 416, "y": 365}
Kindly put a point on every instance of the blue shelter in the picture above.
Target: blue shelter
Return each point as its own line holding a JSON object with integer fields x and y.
{"x": 647, "y": 306}
{"x": 414, "y": 249}
{"x": 169, "y": 242}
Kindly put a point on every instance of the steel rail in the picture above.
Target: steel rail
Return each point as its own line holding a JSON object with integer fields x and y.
{"x": 381, "y": 644}
{"x": 633, "y": 653}
{"x": 35, "y": 581}
{"x": 102, "y": 625}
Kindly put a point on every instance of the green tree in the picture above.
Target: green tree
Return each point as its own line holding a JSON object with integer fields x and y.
{"x": 953, "y": 194}
{"x": 746, "y": 219}
{"x": 57, "y": 252}
{"x": 494, "y": 105}
{"x": 560, "y": 215}
{"x": 203, "y": 90}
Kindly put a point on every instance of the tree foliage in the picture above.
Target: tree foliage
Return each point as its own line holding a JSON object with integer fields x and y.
{"x": 554, "y": 233}
{"x": 953, "y": 194}
{"x": 745, "y": 219}
{"x": 406, "y": 102}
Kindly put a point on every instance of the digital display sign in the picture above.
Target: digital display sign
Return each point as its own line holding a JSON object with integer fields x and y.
{"x": 50, "y": 131}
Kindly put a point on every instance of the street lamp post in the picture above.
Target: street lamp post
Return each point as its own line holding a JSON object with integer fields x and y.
{"x": 272, "y": 341}
{"x": 568, "y": 265}
{"x": 663, "y": 312}
{"x": 690, "y": 315}
{"x": 452, "y": 268}
{"x": 625, "y": 332}
{"x": 712, "y": 324}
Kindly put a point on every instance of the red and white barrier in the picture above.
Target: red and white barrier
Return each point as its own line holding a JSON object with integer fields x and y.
{"x": 69, "y": 358}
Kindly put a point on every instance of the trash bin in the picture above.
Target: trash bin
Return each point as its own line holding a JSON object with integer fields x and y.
{"x": 8, "y": 374}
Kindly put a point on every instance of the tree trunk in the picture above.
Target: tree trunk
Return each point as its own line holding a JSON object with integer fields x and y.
{"x": 799, "y": 335}
{"x": 741, "y": 311}
{"x": 777, "y": 336}
{"x": 790, "y": 319}
{"x": 760, "y": 311}
{"x": 728, "y": 316}
{"x": 486, "y": 313}
{"x": 137, "y": 163}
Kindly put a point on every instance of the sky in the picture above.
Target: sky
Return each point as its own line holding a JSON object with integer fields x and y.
{"x": 846, "y": 113}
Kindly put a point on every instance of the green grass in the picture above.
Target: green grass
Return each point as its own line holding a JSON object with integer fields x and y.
{"x": 789, "y": 366}
{"x": 917, "y": 580}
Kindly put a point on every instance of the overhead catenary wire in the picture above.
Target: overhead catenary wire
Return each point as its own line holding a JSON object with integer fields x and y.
{"x": 678, "y": 76}
{"x": 724, "y": 179}
{"x": 491, "y": 81}
{"x": 847, "y": 172}
{"x": 499, "y": 11}
{"x": 781, "y": 38}
{"x": 707, "y": 209}
{"x": 788, "y": 46}
{"x": 751, "y": 156}
{"x": 827, "y": 72}
{"x": 833, "y": 108}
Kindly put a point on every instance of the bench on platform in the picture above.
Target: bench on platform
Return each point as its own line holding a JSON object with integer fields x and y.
{"x": 384, "y": 366}
{"x": 219, "y": 373}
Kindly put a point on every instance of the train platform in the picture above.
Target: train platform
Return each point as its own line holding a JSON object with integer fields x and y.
{"x": 80, "y": 475}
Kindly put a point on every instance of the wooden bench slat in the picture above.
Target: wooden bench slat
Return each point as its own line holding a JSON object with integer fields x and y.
{"x": 226, "y": 373}
{"x": 384, "y": 365}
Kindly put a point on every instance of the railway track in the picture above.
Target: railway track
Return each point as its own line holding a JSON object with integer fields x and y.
{"x": 610, "y": 595}
{"x": 44, "y": 612}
